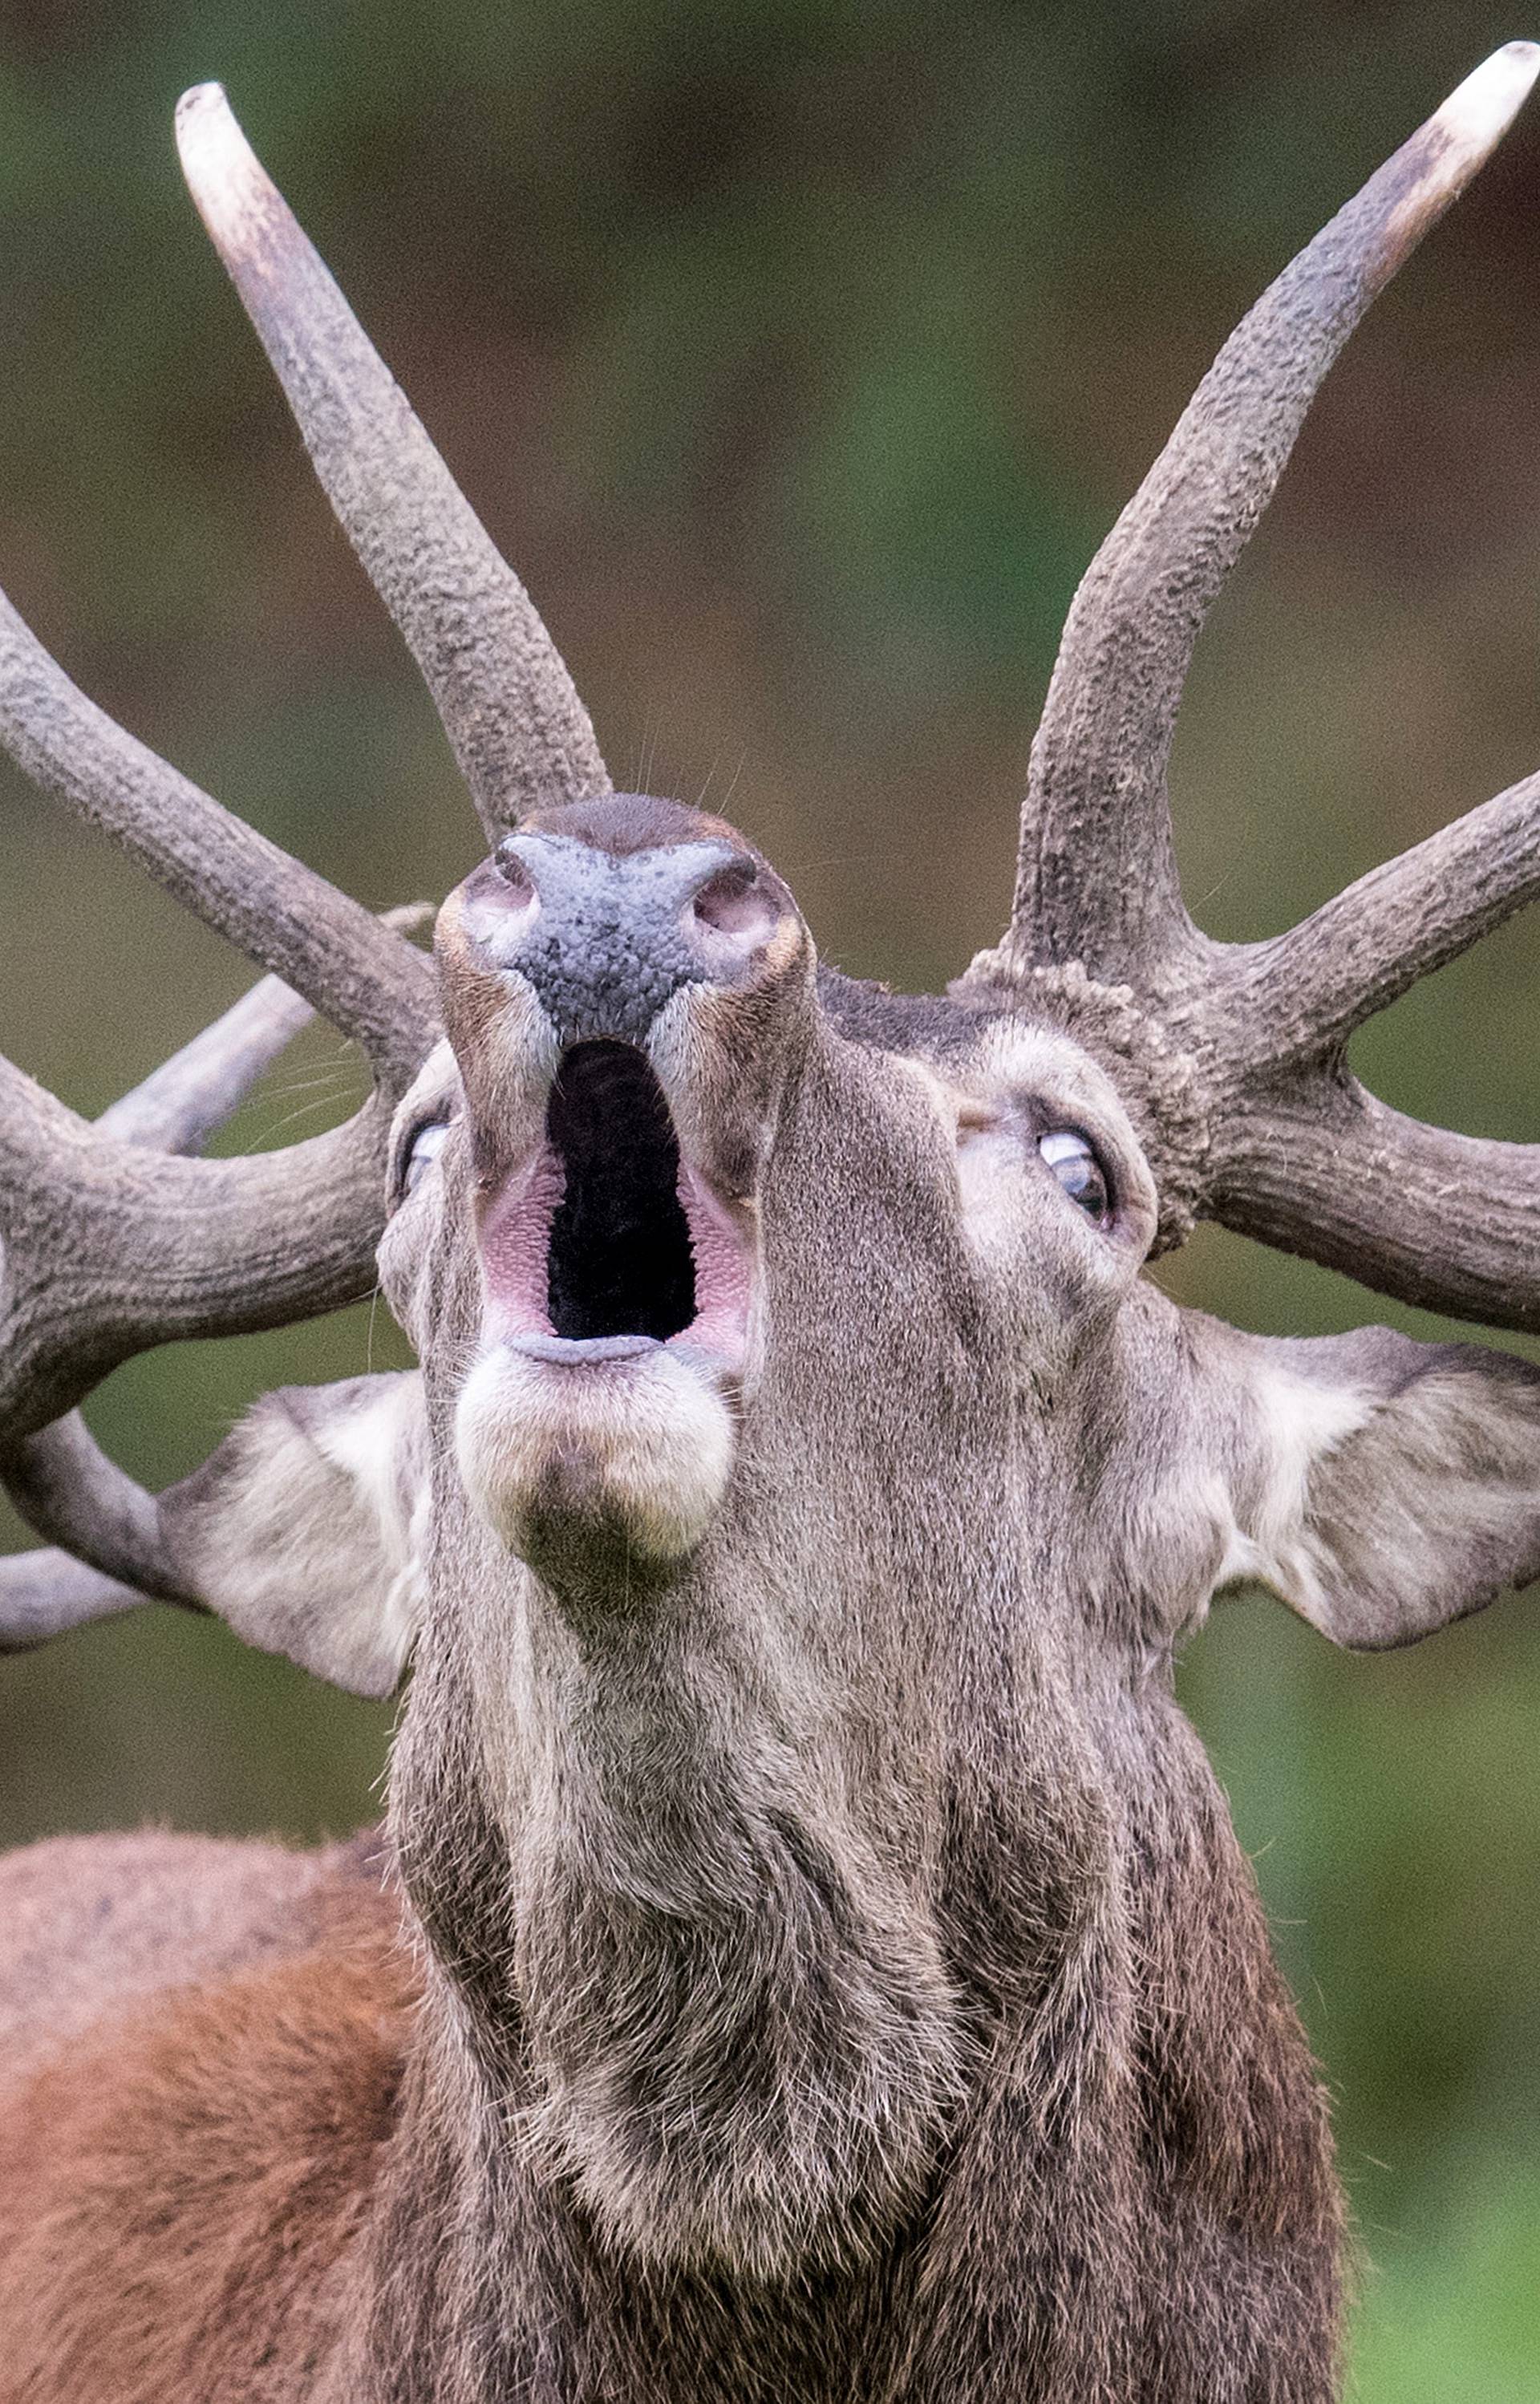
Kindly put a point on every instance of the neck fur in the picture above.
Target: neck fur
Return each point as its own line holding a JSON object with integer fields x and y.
{"x": 737, "y": 2044}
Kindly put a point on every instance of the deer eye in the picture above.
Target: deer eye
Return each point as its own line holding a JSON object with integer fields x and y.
{"x": 1071, "y": 1160}
{"x": 421, "y": 1150}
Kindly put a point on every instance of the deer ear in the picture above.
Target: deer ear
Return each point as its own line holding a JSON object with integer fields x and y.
{"x": 1395, "y": 1485}
{"x": 304, "y": 1529}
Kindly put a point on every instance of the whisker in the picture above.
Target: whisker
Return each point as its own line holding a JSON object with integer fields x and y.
{"x": 331, "y": 1081}
{"x": 643, "y": 753}
{"x": 291, "y": 1118}
{"x": 743, "y": 762}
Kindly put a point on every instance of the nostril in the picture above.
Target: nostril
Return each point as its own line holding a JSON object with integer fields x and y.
{"x": 513, "y": 872}
{"x": 734, "y": 902}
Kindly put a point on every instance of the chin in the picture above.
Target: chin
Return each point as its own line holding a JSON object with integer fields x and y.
{"x": 618, "y": 1446}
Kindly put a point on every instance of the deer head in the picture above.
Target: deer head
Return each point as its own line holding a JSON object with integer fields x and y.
{"x": 804, "y": 1492}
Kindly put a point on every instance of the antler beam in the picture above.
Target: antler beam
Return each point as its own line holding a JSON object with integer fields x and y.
{"x": 1319, "y": 1166}
{"x": 110, "y": 1250}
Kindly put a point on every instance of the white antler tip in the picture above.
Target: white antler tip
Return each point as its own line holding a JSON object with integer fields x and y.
{"x": 203, "y": 114}
{"x": 1480, "y": 110}
{"x": 222, "y": 171}
{"x": 201, "y": 95}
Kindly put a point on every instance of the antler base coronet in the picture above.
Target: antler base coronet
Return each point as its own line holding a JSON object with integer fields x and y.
{"x": 1161, "y": 1082}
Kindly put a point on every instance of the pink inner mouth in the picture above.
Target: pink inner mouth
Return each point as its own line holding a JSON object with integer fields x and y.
{"x": 606, "y": 1244}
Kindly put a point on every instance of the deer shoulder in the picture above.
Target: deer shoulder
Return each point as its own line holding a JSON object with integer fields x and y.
{"x": 93, "y": 1922}
{"x": 189, "y": 2159}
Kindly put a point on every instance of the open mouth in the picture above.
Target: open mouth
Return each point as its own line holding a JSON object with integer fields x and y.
{"x": 618, "y": 1261}
{"x": 607, "y": 1243}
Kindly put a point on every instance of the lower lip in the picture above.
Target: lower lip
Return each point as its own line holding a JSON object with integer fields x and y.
{"x": 584, "y": 1352}
{"x": 625, "y": 1359}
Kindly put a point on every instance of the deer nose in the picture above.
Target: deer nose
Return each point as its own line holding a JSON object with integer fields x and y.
{"x": 606, "y": 940}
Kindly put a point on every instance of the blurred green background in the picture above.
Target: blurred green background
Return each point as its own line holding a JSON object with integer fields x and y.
{"x": 798, "y": 354}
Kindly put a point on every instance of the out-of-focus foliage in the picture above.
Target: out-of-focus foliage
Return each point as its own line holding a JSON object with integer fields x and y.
{"x": 798, "y": 354}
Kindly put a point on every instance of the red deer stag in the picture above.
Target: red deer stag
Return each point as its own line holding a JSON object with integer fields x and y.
{"x": 807, "y": 1956}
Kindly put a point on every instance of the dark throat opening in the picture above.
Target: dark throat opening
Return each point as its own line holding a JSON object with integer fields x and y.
{"x": 620, "y": 1260}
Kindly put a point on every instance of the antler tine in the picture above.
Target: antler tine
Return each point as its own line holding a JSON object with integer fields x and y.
{"x": 1097, "y": 879}
{"x": 46, "y": 1593}
{"x": 281, "y": 914}
{"x": 1299, "y": 1153}
{"x": 200, "y": 1088}
{"x": 66, "y": 1487}
{"x": 1299, "y": 995}
{"x": 179, "y": 1106}
{"x": 508, "y": 706}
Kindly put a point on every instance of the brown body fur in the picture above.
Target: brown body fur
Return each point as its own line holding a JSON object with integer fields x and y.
{"x": 289, "y": 2176}
{"x": 215, "y": 2139}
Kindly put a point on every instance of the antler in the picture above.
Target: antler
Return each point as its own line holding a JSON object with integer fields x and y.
{"x": 61, "y": 1481}
{"x": 1289, "y": 1147}
{"x": 106, "y": 1246}
{"x": 508, "y": 707}
{"x": 1097, "y": 879}
{"x": 44, "y": 1594}
{"x": 105, "y": 1253}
